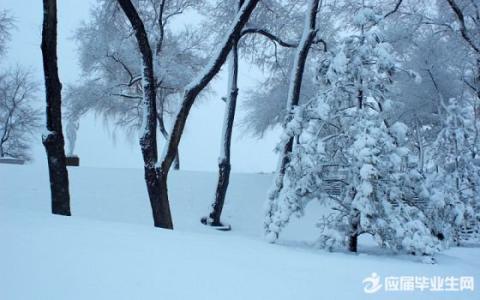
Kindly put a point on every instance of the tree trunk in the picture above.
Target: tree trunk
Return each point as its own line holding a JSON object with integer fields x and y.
{"x": 353, "y": 236}
{"x": 148, "y": 141}
{"x": 195, "y": 87}
{"x": 53, "y": 140}
{"x": 476, "y": 111}
{"x": 163, "y": 131}
{"x": 6, "y": 129}
{"x": 176, "y": 162}
{"x": 360, "y": 97}
{"x": 293, "y": 101}
{"x": 224, "y": 165}
{"x": 352, "y": 243}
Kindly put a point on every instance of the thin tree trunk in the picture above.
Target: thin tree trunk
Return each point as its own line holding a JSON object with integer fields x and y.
{"x": 53, "y": 140}
{"x": 421, "y": 151}
{"x": 476, "y": 113}
{"x": 353, "y": 236}
{"x": 224, "y": 165}
{"x": 148, "y": 141}
{"x": 195, "y": 87}
{"x": 292, "y": 101}
{"x": 360, "y": 97}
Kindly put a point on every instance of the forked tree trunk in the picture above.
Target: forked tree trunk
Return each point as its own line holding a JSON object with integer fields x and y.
{"x": 195, "y": 87}
{"x": 53, "y": 139}
{"x": 224, "y": 165}
{"x": 292, "y": 101}
{"x": 148, "y": 141}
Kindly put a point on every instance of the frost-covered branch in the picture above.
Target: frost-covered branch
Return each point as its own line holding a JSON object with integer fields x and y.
{"x": 133, "y": 79}
{"x": 463, "y": 28}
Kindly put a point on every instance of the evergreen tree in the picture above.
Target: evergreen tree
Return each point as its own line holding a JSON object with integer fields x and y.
{"x": 342, "y": 137}
{"x": 454, "y": 176}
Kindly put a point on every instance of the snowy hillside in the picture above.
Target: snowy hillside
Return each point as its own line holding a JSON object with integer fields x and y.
{"x": 110, "y": 250}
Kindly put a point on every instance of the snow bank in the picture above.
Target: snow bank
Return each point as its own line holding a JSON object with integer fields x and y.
{"x": 109, "y": 250}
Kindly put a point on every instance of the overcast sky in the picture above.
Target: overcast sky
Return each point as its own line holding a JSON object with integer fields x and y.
{"x": 200, "y": 144}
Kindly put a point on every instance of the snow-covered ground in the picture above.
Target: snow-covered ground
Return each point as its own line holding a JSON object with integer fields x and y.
{"x": 109, "y": 249}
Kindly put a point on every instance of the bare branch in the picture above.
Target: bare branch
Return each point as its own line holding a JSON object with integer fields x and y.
{"x": 270, "y": 36}
{"x": 463, "y": 29}
{"x": 394, "y": 10}
{"x": 124, "y": 66}
{"x": 161, "y": 26}
{"x": 126, "y": 96}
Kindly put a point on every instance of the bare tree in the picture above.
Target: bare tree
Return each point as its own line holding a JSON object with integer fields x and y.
{"x": 194, "y": 88}
{"x": 19, "y": 118}
{"x": 53, "y": 139}
{"x": 156, "y": 177}
{"x": 111, "y": 84}
{"x": 224, "y": 165}
{"x": 148, "y": 140}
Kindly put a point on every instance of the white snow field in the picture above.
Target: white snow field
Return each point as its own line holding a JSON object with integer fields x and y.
{"x": 110, "y": 250}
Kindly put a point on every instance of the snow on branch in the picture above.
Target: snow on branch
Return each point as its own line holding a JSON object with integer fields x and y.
{"x": 270, "y": 36}
{"x": 463, "y": 29}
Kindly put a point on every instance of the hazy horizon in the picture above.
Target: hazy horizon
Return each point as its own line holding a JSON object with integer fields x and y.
{"x": 200, "y": 144}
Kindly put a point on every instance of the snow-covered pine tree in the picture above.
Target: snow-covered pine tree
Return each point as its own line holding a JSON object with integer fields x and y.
{"x": 342, "y": 137}
{"x": 453, "y": 178}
